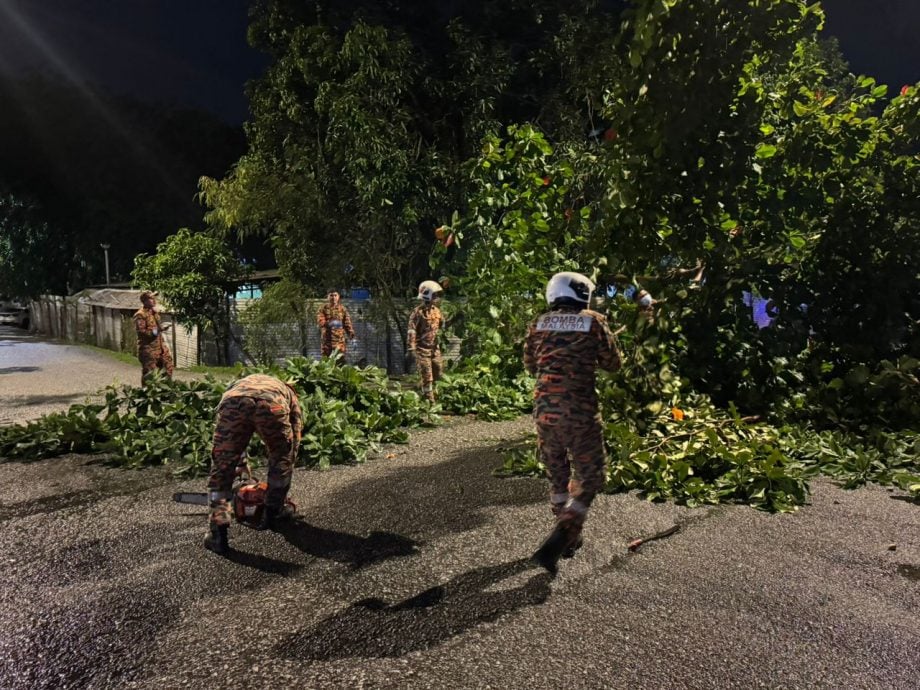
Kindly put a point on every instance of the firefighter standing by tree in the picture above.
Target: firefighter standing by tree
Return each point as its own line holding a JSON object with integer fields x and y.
{"x": 151, "y": 350}
{"x": 334, "y": 325}
{"x": 424, "y": 323}
{"x": 266, "y": 406}
{"x": 563, "y": 349}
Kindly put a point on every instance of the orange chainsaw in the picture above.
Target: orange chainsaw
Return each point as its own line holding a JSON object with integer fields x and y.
{"x": 248, "y": 496}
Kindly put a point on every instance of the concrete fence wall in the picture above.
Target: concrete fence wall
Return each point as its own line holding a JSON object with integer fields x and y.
{"x": 109, "y": 326}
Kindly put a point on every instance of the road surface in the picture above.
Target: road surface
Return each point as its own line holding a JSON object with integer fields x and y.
{"x": 411, "y": 571}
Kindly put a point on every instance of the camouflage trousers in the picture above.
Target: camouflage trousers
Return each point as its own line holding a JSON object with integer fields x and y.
{"x": 155, "y": 357}
{"x": 237, "y": 419}
{"x": 429, "y": 365}
{"x": 573, "y": 444}
{"x": 333, "y": 339}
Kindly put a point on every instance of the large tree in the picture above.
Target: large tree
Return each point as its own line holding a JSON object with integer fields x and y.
{"x": 196, "y": 272}
{"x": 736, "y": 144}
{"x": 364, "y": 122}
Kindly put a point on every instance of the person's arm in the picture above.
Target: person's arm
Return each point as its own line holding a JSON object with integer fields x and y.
{"x": 530, "y": 357}
{"x": 321, "y": 318}
{"x": 141, "y": 325}
{"x": 413, "y": 323}
{"x": 296, "y": 421}
{"x": 608, "y": 354}
{"x": 346, "y": 322}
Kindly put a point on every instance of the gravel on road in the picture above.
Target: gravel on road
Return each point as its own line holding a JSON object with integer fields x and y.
{"x": 411, "y": 571}
{"x": 38, "y": 376}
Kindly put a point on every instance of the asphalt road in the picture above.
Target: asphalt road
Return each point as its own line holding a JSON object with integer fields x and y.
{"x": 411, "y": 571}
{"x": 38, "y": 376}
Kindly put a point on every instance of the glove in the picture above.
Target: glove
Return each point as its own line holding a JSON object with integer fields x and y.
{"x": 410, "y": 357}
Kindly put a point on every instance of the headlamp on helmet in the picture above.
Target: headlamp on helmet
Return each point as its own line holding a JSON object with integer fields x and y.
{"x": 569, "y": 288}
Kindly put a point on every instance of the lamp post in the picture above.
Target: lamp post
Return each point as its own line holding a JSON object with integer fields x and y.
{"x": 105, "y": 248}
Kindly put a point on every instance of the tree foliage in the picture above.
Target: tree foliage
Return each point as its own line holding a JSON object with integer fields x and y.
{"x": 363, "y": 124}
{"x": 29, "y": 256}
{"x": 194, "y": 272}
{"x": 270, "y": 321}
{"x": 787, "y": 180}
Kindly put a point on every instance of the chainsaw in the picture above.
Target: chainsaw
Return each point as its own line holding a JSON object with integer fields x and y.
{"x": 247, "y": 496}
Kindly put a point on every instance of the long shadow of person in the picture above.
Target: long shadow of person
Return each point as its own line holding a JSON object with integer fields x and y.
{"x": 271, "y": 566}
{"x": 343, "y": 547}
{"x": 372, "y": 629}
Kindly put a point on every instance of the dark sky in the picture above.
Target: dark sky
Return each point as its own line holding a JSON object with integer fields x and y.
{"x": 191, "y": 52}
{"x": 194, "y": 52}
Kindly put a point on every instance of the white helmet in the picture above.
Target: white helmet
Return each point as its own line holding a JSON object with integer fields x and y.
{"x": 569, "y": 286}
{"x": 429, "y": 290}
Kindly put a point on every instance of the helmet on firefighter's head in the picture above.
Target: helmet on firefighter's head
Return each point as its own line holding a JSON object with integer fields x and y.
{"x": 429, "y": 291}
{"x": 567, "y": 288}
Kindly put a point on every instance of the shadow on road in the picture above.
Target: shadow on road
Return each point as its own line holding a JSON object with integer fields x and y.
{"x": 906, "y": 499}
{"x": 342, "y": 547}
{"x": 50, "y": 399}
{"x": 18, "y": 370}
{"x": 459, "y": 489}
{"x": 371, "y": 628}
{"x": 272, "y": 566}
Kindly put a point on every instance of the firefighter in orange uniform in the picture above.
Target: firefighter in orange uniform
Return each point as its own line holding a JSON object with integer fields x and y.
{"x": 425, "y": 322}
{"x": 334, "y": 325}
{"x": 564, "y": 348}
{"x": 151, "y": 349}
{"x": 269, "y": 407}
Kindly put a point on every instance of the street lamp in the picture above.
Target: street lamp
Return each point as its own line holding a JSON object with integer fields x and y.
{"x": 105, "y": 248}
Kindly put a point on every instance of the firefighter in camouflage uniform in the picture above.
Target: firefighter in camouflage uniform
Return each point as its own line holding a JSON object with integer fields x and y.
{"x": 563, "y": 349}
{"x": 424, "y": 323}
{"x": 151, "y": 350}
{"x": 334, "y": 325}
{"x": 259, "y": 404}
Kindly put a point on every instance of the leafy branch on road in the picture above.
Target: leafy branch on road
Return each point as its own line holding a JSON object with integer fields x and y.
{"x": 347, "y": 413}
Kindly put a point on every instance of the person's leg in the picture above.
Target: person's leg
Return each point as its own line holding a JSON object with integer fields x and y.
{"x": 231, "y": 437}
{"x": 273, "y": 424}
{"x": 590, "y": 462}
{"x": 437, "y": 368}
{"x": 589, "y": 459}
{"x": 551, "y": 450}
{"x": 166, "y": 364}
{"x": 423, "y": 362}
{"x": 148, "y": 364}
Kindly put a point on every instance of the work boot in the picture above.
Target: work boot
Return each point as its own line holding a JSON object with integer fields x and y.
{"x": 572, "y": 548}
{"x": 217, "y": 541}
{"x": 565, "y": 539}
{"x": 551, "y": 549}
{"x": 218, "y": 524}
{"x": 272, "y": 516}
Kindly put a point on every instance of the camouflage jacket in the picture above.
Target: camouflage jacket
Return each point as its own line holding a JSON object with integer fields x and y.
{"x": 335, "y": 317}
{"x": 564, "y": 348}
{"x": 148, "y": 327}
{"x": 424, "y": 323}
{"x": 264, "y": 387}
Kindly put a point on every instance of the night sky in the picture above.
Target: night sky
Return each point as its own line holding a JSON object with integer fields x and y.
{"x": 194, "y": 52}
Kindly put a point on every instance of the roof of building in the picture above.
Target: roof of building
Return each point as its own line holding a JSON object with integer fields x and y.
{"x": 110, "y": 298}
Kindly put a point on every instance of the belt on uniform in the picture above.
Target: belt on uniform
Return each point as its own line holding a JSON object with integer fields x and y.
{"x": 334, "y": 324}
